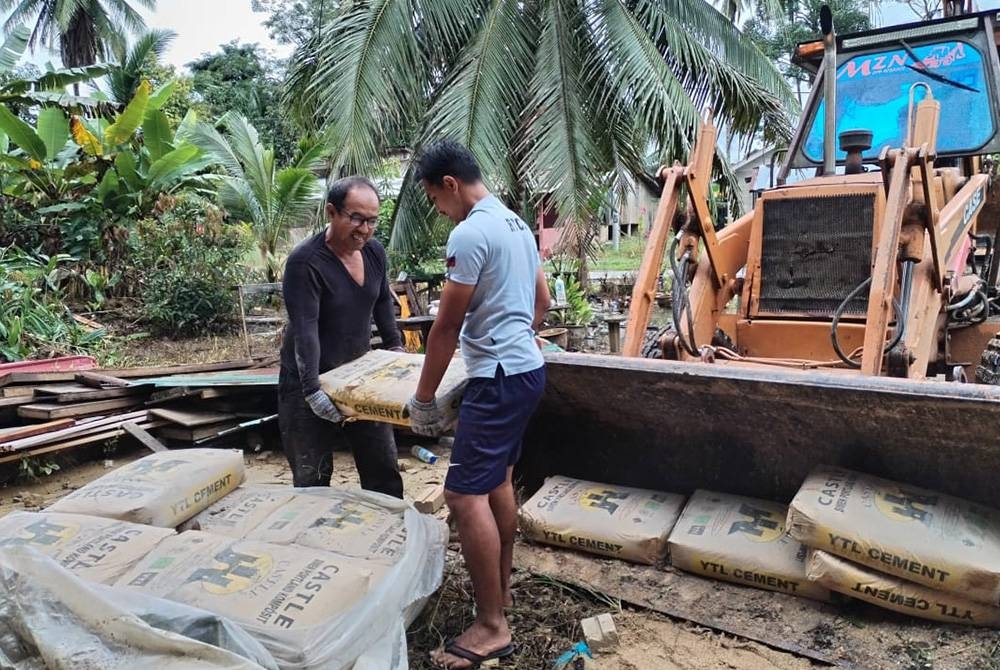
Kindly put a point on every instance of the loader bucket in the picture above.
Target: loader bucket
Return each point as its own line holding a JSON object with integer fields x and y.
{"x": 756, "y": 431}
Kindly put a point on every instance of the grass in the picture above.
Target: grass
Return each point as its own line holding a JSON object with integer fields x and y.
{"x": 627, "y": 258}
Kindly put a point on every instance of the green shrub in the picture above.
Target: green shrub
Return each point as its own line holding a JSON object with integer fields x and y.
{"x": 188, "y": 263}
{"x": 34, "y": 319}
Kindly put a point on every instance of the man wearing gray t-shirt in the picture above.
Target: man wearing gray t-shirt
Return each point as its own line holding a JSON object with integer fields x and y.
{"x": 494, "y": 298}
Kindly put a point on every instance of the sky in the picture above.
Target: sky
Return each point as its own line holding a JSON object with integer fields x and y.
{"x": 203, "y": 26}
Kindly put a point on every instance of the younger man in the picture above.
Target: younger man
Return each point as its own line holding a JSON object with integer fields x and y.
{"x": 495, "y": 294}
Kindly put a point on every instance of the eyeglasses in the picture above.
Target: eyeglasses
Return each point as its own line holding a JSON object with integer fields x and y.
{"x": 357, "y": 220}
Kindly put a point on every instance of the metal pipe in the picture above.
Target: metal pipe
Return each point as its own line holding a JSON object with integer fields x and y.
{"x": 829, "y": 91}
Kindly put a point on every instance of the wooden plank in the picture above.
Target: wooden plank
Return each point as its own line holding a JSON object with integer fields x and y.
{"x": 96, "y": 380}
{"x": 19, "y": 391}
{"x": 191, "y": 418}
{"x": 169, "y": 395}
{"x": 79, "y": 428}
{"x": 16, "y": 401}
{"x": 58, "y": 411}
{"x": 35, "y": 377}
{"x": 21, "y": 432}
{"x": 134, "y": 373}
{"x": 194, "y": 434}
{"x": 69, "y": 444}
{"x": 143, "y": 436}
{"x": 79, "y": 393}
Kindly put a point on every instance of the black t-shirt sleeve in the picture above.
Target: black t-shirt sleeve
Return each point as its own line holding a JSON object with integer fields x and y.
{"x": 301, "y": 290}
{"x": 384, "y": 313}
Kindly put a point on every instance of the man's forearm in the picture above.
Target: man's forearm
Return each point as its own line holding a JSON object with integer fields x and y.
{"x": 441, "y": 344}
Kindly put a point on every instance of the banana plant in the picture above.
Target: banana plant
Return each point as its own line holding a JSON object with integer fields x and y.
{"x": 68, "y": 163}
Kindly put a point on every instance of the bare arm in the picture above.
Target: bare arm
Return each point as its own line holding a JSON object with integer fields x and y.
{"x": 443, "y": 338}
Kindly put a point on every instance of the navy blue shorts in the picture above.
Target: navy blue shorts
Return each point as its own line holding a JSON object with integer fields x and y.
{"x": 491, "y": 423}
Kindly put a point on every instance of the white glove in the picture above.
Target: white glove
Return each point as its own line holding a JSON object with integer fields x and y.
{"x": 323, "y": 407}
{"x": 425, "y": 417}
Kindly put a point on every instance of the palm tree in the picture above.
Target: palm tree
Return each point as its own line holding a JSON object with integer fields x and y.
{"x": 253, "y": 189}
{"x": 562, "y": 97}
{"x": 86, "y": 30}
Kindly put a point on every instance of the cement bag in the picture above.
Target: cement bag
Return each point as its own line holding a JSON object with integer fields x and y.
{"x": 263, "y": 587}
{"x": 94, "y": 548}
{"x": 936, "y": 540}
{"x": 162, "y": 489}
{"x": 741, "y": 540}
{"x": 377, "y": 386}
{"x": 369, "y": 629}
{"x": 335, "y": 520}
{"x": 53, "y": 620}
{"x": 617, "y": 521}
{"x": 896, "y": 594}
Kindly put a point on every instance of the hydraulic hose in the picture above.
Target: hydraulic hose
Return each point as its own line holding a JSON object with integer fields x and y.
{"x": 901, "y": 312}
{"x": 681, "y": 304}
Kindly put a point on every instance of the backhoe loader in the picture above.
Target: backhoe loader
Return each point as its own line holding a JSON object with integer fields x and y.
{"x": 850, "y": 318}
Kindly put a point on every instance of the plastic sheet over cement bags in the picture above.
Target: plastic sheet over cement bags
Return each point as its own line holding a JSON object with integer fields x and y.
{"x": 94, "y": 548}
{"x": 741, "y": 540}
{"x": 53, "y": 620}
{"x": 617, "y": 521}
{"x": 365, "y": 635}
{"x": 377, "y": 386}
{"x": 921, "y": 536}
{"x": 896, "y": 594}
{"x": 163, "y": 489}
{"x": 331, "y": 519}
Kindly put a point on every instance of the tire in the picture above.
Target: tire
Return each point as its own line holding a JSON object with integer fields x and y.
{"x": 651, "y": 347}
{"x": 988, "y": 370}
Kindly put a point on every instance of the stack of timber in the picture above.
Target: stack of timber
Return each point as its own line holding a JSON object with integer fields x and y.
{"x": 63, "y": 403}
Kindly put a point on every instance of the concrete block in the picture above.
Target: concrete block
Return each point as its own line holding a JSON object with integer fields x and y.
{"x": 599, "y": 632}
{"x": 430, "y": 500}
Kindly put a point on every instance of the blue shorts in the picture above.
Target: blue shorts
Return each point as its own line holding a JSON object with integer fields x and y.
{"x": 491, "y": 423}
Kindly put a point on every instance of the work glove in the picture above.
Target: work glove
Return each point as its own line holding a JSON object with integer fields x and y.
{"x": 425, "y": 417}
{"x": 323, "y": 407}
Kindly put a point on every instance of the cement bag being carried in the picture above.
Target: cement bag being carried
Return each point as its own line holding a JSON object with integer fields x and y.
{"x": 896, "y": 594}
{"x": 163, "y": 489}
{"x": 936, "y": 540}
{"x": 617, "y": 521}
{"x": 336, "y": 520}
{"x": 377, "y": 386}
{"x": 94, "y": 548}
{"x": 741, "y": 540}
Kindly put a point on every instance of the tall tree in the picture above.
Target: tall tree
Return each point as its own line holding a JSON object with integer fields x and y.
{"x": 85, "y": 30}
{"x": 559, "y": 97}
{"x": 295, "y": 21}
{"x": 240, "y": 78}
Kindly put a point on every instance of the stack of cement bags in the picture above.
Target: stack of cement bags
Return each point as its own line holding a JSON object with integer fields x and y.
{"x": 320, "y": 577}
{"x": 900, "y": 547}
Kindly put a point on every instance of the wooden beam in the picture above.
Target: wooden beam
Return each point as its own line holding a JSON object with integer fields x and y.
{"x": 78, "y": 393}
{"x": 57, "y": 411}
{"x": 79, "y": 428}
{"x": 143, "y": 436}
{"x": 94, "y": 438}
{"x": 19, "y": 433}
{"x": 97, "y": 380}
{"x": 191, "y": 418}
{"x": 135, "y": 373}
{"x": 10, "y": 378}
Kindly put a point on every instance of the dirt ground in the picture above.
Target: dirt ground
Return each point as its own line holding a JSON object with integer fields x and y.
{"x": 546, "y": 615}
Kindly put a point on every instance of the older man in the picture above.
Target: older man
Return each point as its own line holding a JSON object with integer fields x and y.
{"x": 334, "y": 283}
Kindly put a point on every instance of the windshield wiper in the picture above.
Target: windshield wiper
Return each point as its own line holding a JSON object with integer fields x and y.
{"x": 923, "y": 69}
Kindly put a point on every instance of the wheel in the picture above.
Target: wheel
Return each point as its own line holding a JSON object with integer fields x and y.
{"x": 652, "y": 346}
{"x": 988, "y": 370}
{"x": 660, "y": 342}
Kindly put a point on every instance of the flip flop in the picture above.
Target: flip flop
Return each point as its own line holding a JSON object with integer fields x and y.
{"x": 477, "y": 659}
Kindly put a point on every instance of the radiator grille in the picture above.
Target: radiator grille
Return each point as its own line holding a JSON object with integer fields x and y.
{"x": 815, "y": 251}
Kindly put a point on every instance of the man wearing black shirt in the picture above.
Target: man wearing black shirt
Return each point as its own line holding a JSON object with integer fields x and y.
{"x": 334, "y": 283}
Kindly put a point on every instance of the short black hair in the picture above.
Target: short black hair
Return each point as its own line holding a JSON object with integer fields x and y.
{"x": 447, "y": 158}
{"x": 339, "y": 189}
